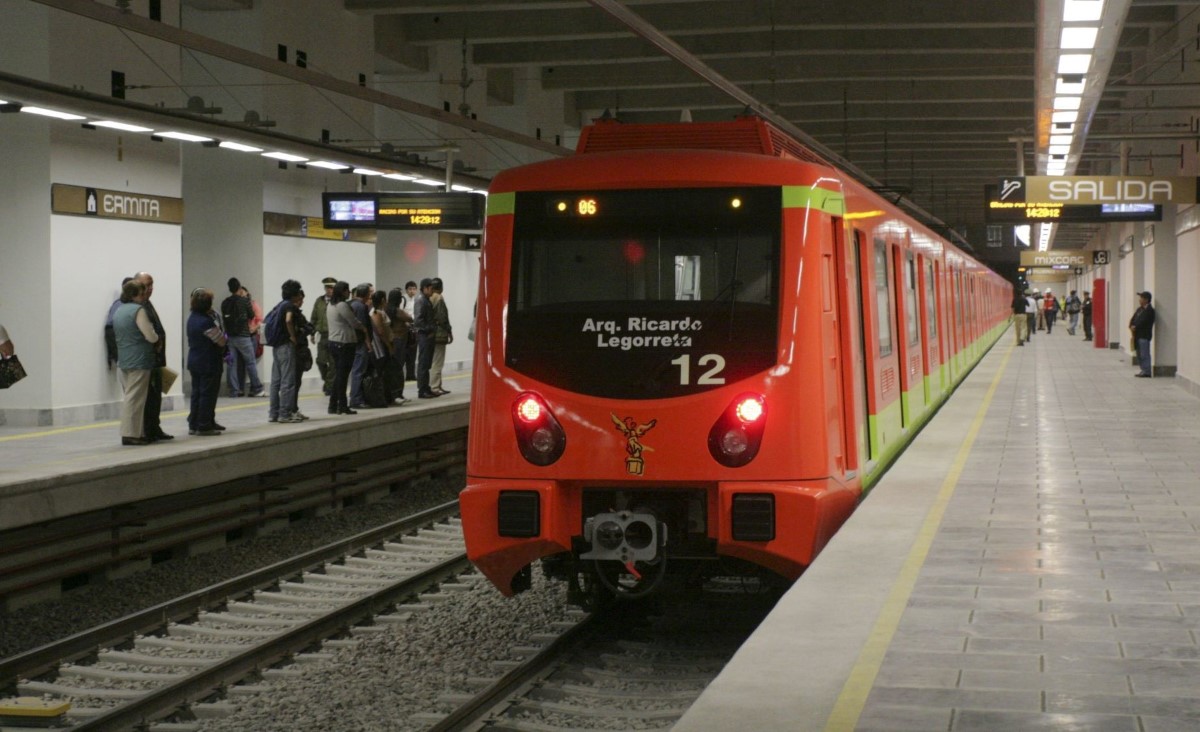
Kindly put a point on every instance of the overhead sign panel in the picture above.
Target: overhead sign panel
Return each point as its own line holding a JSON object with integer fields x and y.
{"x": 1015, "y": 211}
{"x": 417, "y": 210}
{"x": 1057, "y": 259}
{"x": 1098, "y": 189}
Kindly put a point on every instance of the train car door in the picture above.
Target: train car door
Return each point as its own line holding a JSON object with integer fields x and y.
{"x": 929, "y": 341}
{"x": 884, "y": 382}
{"x": 909, "y": 357}
{"x": 858, "y": 284}
{"x": 847, "y": 332}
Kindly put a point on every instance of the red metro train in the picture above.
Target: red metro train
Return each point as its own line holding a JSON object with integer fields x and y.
{"x": 696, "y": 345}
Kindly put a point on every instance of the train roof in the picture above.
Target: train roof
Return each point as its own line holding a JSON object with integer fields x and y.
{"x": 747, "y": 134}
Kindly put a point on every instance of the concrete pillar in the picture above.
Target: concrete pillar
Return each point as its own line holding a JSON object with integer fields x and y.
{"x": 1165, "y": 264}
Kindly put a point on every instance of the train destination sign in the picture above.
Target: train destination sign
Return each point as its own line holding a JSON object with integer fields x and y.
{"x": 1015, "y": 211}
{"x": 1098, "y": 189}
{"x": 402, "y": 210}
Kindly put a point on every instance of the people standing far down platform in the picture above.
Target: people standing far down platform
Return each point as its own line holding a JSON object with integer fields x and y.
{"x": 1086, "y": 308}
{"x": 1141, "y": 328}
{"x": 1020, "y": 322}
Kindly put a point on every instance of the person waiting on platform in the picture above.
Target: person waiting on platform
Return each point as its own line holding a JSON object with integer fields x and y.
{"x": 1050, "y": 306}
{"x": 343, "y": 341}
{"x": 1086, "y": 308}
{"x": 442, "y": 336}
{"x": 1020, "y": 322}
{"x": 136, "y": 357}
{"x": 1073, "y": 306}
{"x": 1039, "y": 311}
{"x": 237, "y": 313}
{"x": 1141, "y": 327}
{"x": 206, "y": 354}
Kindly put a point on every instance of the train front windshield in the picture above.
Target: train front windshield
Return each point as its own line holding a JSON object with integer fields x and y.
{"x": 644, "y": 294}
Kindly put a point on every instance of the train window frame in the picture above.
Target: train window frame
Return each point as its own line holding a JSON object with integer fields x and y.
{"x": 931, "y": 302}
{"x": 911, "y": 321}
{"x": 884, "y": 341}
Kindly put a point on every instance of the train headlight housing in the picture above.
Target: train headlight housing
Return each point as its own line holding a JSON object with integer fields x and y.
{"x": 540, "y": 437}
{"x": 737, "y": 434}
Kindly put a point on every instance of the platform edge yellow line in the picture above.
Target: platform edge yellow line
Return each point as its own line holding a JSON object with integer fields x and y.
{"x": 850, "y": 703}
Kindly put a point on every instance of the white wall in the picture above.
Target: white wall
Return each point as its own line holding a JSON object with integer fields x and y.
{"x": 459, "y": 271}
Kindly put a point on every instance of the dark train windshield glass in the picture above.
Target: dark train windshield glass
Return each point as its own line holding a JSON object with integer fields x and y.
{"x": 644, "y": 293}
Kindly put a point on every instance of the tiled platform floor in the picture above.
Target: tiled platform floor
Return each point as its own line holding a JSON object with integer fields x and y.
{"x": 1060, "y": 589}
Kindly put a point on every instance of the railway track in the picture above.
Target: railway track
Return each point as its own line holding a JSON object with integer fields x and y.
{"x": 615, "y": 669}
{"x": 144, "y": 667}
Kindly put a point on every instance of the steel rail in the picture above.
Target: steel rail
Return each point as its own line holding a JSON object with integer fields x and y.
{"x": 140, "y": 712}
{"x": 509, "y": 685}
{"x": 42, "y": 659}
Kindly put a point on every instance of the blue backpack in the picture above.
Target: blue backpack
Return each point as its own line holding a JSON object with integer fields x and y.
{"x": 274, "y": 328}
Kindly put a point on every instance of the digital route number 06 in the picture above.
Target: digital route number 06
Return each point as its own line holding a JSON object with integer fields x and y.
{"x": 714, "y": 362}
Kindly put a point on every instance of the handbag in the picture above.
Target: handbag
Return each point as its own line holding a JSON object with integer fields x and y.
{"x": 11, "y": 371}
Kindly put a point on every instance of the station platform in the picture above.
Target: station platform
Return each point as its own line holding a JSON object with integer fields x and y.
{"x": 53, "y": 473}
{"x": 1031, "y": 562}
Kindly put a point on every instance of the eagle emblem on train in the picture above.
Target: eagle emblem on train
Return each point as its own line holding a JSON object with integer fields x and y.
{"x": 634, "y": 448}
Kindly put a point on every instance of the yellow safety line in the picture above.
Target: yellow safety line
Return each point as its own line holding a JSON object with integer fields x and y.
{"x": 174, "y": 415}
{"x": 858, "y": 685}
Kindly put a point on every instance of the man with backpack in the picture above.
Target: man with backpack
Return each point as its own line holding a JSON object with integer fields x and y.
{"x": 279, "y": 330}
{"x": 1073, "y": 306}
{"x": 237, "y": 312}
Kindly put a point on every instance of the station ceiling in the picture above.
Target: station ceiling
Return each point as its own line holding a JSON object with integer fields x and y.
{"x": 928, "y": 97}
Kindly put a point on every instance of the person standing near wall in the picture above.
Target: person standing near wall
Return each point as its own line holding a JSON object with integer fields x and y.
{"x": 1086, "y": 308}
{"x": 410, "y": 355}
{"x": 320, "y": 323}
{"x": 1072, "y": 307}
{"x": 137, "y": 359}
{"x": 423, "y": 325}
{"x": 1141, "y": 327}
{"x": 154, "y": 430}
{"x": 442, "y": 337}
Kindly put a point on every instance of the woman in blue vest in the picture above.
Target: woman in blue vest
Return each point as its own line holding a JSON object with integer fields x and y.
{"x": 136, "y": 357}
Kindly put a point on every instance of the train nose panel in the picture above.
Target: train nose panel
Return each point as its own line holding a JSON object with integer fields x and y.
{"x": 625, "y": 536}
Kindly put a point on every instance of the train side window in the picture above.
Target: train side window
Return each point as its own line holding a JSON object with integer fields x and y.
{"x": 883, "y": 298}
{"x": 910, "y": 300}
{"x": 931, "y": 303}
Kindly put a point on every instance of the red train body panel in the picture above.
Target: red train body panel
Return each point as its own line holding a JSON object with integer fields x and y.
{"x": 687, "y": 361}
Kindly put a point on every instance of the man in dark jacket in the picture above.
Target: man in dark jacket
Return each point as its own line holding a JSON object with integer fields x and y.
{"x": 236, "y": 312}
{"x": 1086, "y": 309}
{"x": 425, "y": 328}
{"x": 152, "y": 427}
{"x": 1020, "y": 322}
{"x": 1141, "y": 327}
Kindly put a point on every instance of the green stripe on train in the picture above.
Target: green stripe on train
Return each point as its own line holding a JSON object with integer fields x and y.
{"x": 499, "y": 204}
{"x": 830, "y": 202}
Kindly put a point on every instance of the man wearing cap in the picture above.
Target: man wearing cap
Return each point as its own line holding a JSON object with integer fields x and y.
{"x": 320, "y": 325}
{"x": 1141, "y": 328}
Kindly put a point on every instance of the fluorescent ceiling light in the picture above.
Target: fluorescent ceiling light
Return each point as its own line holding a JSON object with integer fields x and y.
{"x": 1064, "y": 116}
{"x": 1067, "y": 102}
{"x": 1062, "y": 86}
{"x": 1074, "y": 63}
{"x": 428, "y": 182}
{"x": 1076, "y": 37}
{"x": 328, "y": 165}
{"x": 51, "y": 113}
{"x": 119, "y": 126}
{"x": 239, "y": 146}
{"x": 1060, "y": 149}
{"x": 185, "y": 136}
{"x": 1060, "y": 139}
{"x": 464, "y": 189}
{"x": 367, "y": 171}
{"x": 399, "y": 176}
{"x": 1082, "y": 10}
{"x": 286, "y": 156}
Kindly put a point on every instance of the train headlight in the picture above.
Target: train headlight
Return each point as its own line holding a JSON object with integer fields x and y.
{"x": 734, "y": 442}
{"x": 540, "y": 437}
{"x": 737, "y": 434}
{"x": 543, "y": 440}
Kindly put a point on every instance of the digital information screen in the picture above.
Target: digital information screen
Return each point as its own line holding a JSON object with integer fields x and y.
{"x": 1022, "y": 212}
{"x": 416, "y": 210}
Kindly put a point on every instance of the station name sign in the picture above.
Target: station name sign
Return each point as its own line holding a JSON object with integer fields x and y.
{"x": 105, "y": 204}
{"x": 1058, "y": 259}
{"x": 417, "y": 210}
{"x": 1099, "y": 189}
